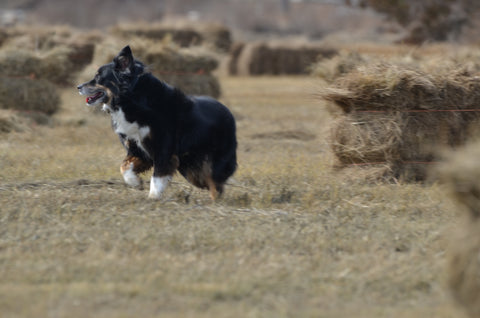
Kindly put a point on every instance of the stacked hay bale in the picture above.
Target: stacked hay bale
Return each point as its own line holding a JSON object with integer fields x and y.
{"x": 329, "y": 69}
{"x": 34, "y": 63}
{"x": 399, "y": 116}
{"x": 77, "y": 48}
{"x": 27, "y": 81}
{"x": 10, "y": 121}
{"x": 189, "y": 69}
{"x": 462, "y": 175}
{"x": 269, "y": 58}
{"x": 214, "y": 36}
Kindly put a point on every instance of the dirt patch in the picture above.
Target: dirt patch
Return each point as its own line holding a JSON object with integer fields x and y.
{"x": 287, "y": 134}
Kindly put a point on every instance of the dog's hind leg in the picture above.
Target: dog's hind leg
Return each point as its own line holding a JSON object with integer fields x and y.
{"x": 212, "y": 188}
{"x": 215, "y": 189}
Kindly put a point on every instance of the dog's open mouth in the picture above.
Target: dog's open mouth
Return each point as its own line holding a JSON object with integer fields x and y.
{"x": 92, "y": 99}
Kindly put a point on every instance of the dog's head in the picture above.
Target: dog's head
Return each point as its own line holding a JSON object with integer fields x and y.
{"x": 113, "y": 79}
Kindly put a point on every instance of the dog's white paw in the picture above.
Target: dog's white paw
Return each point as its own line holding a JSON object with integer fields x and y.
{"x": 157, "y": 186}
{"x": 131, "y": 177}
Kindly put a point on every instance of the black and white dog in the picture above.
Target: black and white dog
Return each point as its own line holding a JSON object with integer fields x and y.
{"x": 162, "y": 127}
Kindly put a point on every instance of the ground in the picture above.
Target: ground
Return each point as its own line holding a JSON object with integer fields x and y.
{"x": 292, "y": 236}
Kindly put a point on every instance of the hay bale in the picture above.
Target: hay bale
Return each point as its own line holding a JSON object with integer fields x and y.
{"x": 217, "y": 37}
{"x": 28, "y": 94}
{"x": 183, "y": 34}
{"x": 233, "y": 57}
{"x": 359, "y": 139}
{"x": 11, "y": 122}
{"x": 183, "y": 37}
{"x": 57, "y": 53}
{"x": 386, "y": 86}
{"x": 194, "y": 84}
{"x": 332, "y": 68}
{"x": 264, "y": 58}
{"x": 80, "y": 55}
{"x": 400, "y": 116}
{"x": 169, "y": 59}
{"x": 461, "y": 173}
{"x": 53, "y": 65}
{"x": 37, "y": 38}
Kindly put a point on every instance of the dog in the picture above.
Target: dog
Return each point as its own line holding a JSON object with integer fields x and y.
{"x": 162, "y": 127}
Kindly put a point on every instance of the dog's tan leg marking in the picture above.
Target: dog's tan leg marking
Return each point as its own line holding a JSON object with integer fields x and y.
{"x": 212, "y": 188}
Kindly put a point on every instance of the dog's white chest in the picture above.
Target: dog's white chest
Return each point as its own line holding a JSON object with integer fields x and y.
{"x": 132, "y": 131}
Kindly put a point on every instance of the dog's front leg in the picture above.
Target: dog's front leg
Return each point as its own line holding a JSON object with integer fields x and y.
{"x": 158, "y": 185}
{"x": 134, "y": 163}
{"x": 131, "y": 167}
{"x": 162, "y": 174}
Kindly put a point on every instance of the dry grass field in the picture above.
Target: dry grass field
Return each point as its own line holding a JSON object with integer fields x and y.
{"x": 290, "y": 238}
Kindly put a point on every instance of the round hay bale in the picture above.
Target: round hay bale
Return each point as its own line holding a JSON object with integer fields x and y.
{"x": 28, "y": 94}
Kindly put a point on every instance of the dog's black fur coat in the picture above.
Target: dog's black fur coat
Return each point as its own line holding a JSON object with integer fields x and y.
{"x": 193, "y": 134}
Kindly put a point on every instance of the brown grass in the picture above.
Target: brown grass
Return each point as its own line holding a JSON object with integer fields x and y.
{"x": 289, "y": 238}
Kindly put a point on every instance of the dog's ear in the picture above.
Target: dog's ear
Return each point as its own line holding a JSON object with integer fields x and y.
{"x": 124, "y": 61}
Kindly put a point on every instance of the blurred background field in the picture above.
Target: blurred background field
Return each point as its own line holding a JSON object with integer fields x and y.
{"x": 354, "y": 195}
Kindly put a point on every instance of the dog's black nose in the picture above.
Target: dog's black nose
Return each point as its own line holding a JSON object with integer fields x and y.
{"x": 79, "y": 86}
